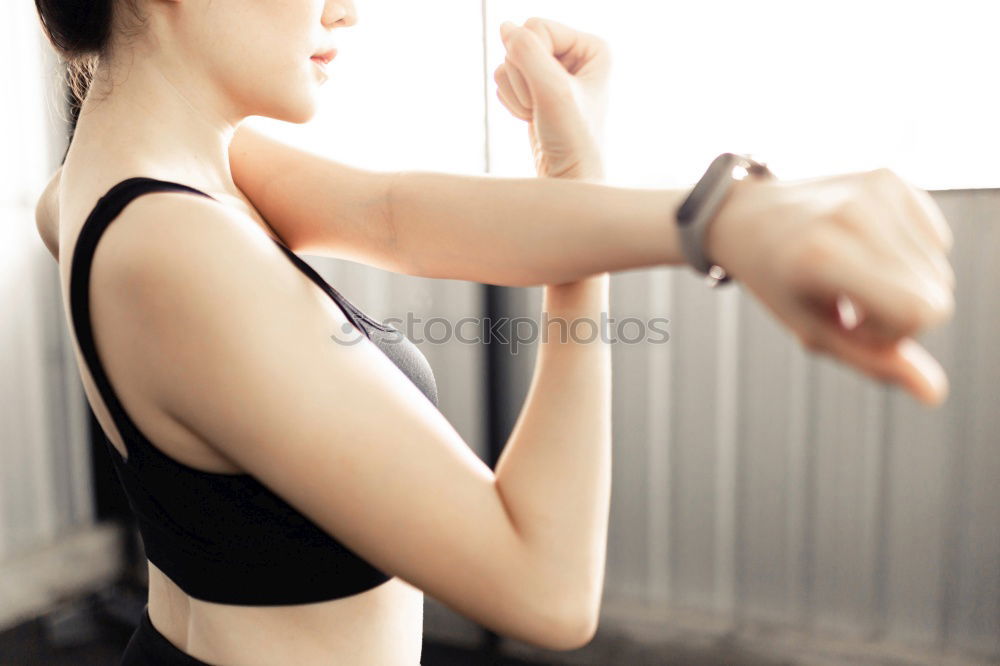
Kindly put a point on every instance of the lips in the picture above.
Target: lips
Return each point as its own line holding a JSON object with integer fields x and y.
{"x": 325, "y": 57}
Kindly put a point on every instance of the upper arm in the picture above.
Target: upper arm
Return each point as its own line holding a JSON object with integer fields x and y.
{"x": 316, "y": 204}
{"x": 244, "y": 358}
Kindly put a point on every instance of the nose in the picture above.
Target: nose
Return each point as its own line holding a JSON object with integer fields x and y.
{"x": 341, "y": 13}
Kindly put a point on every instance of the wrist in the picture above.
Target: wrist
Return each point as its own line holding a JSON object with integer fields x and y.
{"x": 590, "y": 172}
{"x": 589, "y": 166}
{"x": 592, "y": 286}
{"x": 589, "y": 294}
{"x": 726, "y": 239}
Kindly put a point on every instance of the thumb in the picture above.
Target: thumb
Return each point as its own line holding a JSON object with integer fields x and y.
{"x": 531, "y": 53}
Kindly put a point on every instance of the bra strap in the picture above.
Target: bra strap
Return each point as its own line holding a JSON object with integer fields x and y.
{"x": 104, "y": 212}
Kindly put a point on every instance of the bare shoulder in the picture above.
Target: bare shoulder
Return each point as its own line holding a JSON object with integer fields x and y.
{"x": 247, "y": 353}
{"x": 183, "y": 235}
{"x": 47, "y": 214}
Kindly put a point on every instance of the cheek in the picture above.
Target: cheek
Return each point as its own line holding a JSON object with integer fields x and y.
{"x": 276, "y": 83}
{"x": 264, "y": 64}
{"x": 288, "y": 91}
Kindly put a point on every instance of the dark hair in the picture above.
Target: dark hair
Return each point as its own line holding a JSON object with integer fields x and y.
{"x": 80, "y": 31}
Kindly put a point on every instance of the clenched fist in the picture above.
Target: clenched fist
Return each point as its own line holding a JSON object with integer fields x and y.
{"x": 555, "y": 78}
{"x": 854, "y": 264}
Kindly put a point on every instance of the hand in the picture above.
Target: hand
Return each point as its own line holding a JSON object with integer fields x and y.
{"x": 555, "y": 78}
{"x": 854, "y": 265}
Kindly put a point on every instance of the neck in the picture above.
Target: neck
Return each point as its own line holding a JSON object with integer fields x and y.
{"x": 158, "y": 118}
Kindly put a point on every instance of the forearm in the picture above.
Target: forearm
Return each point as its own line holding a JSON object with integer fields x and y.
{"x": 555, "y": 470}
{"x": 528, "y": 231}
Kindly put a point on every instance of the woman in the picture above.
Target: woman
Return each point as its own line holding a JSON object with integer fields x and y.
{"x": 302, "y": 495}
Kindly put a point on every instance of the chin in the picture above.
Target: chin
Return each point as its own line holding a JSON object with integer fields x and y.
{"x": 292, "y": 108}
{"x": 301, "y": 115}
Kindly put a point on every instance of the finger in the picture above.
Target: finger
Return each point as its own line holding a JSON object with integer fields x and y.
{"x": 506, "y": 94}
{"x": 931, "y": 257}
{"x": 510, "y": 102}
{"x": 575, "y": 49}
{"x": 547, "y": 80}
{"x": 900, "y": 361}
{"x": 869, "y": 220}
{"x": 864, "y": 330}
{"x": 930, "y": 214}
{"x": 519, "y": 85}
{"x": 563, "y": 39}
{"x": 904, "y": 362}
{"x": 894, "y": 304}
{"x": 911, "y": 232}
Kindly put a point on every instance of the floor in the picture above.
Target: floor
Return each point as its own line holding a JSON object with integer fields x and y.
{"x": 27, "y": 645}
{"x": 93, "y": 630}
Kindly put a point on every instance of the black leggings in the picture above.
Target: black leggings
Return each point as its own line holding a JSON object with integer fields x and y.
{"x": 148, "y": 647}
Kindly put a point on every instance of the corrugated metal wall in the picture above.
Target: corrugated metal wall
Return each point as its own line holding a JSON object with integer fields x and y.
{"x": 764, "y": 484}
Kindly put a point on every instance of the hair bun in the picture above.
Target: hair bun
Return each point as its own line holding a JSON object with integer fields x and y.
{"x": 76, "y": 27}
{"x": 80, "y": 31}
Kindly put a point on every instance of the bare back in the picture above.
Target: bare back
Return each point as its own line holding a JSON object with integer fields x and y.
{"x": 383, "y": 625}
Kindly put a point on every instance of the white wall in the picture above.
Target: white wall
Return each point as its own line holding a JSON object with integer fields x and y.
{"x": 45, "y": 493}
{"x": 43, "y": 469}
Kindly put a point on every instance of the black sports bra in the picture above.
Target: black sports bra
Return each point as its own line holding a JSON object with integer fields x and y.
{"x": 223, "y": 537}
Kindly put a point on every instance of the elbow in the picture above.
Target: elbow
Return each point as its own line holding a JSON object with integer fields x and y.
{"x": 576, "y": 633}
{"x": 567, "y": 629}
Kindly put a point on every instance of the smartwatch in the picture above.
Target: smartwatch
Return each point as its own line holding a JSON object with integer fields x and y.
{"x": 702, "y": 205}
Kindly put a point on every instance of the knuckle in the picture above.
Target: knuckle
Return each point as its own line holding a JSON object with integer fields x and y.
{"x": 883, "y": 178}
{"x": 518, "y": 44}
{"x": 947, "y": 241}
{"x": 599, "y": 42}
{"x": 942, "y": 309}
{"x": 914, "y": 314}
{"x": 535, "y": 23}
{"x": 811, "y": 341}
{"x": 947, "y": 311}
{"x": 603, "y": 48}
{"x": 848, "y": 215}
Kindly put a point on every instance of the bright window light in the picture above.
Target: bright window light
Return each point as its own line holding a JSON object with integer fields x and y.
{"x": 811, "y": 88}
{"x": 405, "y": 90}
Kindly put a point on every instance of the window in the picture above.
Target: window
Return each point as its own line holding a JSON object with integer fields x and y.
{"x": 813, "y": 88}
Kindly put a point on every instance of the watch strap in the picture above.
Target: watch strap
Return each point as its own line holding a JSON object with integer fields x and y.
{"x": 702, "y": 205}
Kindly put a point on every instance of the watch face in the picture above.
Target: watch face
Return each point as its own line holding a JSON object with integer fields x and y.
{"x": 715, "y": 174}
